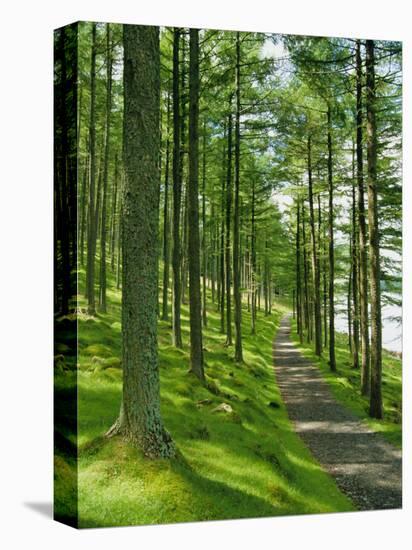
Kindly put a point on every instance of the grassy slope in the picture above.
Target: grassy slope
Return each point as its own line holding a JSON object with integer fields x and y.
{"x": 245, "y": 464}
{"x": 345, "y": 385}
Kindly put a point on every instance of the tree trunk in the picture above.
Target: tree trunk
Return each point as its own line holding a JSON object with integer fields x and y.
{"x": 103, "y": 283}
{"x": 376, "y": 408}
{"x": 177, "y": 193}
{"x": 228, "y": 216}
{"x": 332, "y": 358}
{"x": 166, "y": 225}
{"x": 363, "y": 275}
{"x": 253, "y": 282}
{"x": 298, "y": 275}
{"x": 114, "y": 212}
{"x": 140, "y": 420}
{"x": 204, "y": 252}
{"x": 83, "y": 207}
{"x": 91, "y": 239}
{"x": 305, "y": 276}
{"x": 222, "y": 242}
{"x": 236, "y": 220}
{"x": 355, "y": 292}
{"x": 196, "y": 347}
{"x": 315, "y": 266}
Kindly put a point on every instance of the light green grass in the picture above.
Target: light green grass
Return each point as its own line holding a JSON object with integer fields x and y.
{"x": 248, "y": 463}
{"x": 345, "y": 385}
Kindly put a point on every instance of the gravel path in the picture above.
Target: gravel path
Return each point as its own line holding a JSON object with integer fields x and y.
{"x": 366, "y": 468}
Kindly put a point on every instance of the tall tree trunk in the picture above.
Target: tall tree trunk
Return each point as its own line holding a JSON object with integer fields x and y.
{"x": 253, "y": 281}
{"x": 349, "y": 306}
{"x": 298, "y": 275}
{"x": 204, "y": 252}
{"x": 363, "y": 275}
{"x": 183, "y": 150}
{"x": 196, "y": 347}
{"x": 119, "y": 244}
{"x": 236, "y": 220}
{"x": 114, "y": 212}
{"x": 166, "y": 225}
{"x": 376, "y": 408}
{"x": 305, "y": 276}
{"x": 91, "y": 239}
{"x": 332, "y": 358}
{"x": 315, "y": 266}
{"x": 83, "y": 206}
{"x": 228, "y": 216}
{"x": 222, "y": 242}
{"x": 103, "y": 283}
{"x": 177, "y": 193}
{"x": 325, "y": 282}
{"x": 140, "y": 420}
{"x": 355, "y": 275}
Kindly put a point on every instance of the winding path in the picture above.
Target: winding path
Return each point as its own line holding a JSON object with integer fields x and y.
{"x": 366, "y": 468}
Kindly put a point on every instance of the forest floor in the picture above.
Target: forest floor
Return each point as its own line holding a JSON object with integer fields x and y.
{"x": 367, "y": 468}
{"x": 244, "y": 461}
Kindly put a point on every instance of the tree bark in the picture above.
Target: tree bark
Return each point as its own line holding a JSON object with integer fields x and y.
{"x": 103, "y": 282}
{"x": 355, "y": 276}
{"x": 114, "y": 212}
{"x": 204, "y": 251}
{"x": 166, "y": 224}
{"x": 228, "y": 217}
{"x": 91, "y": 239}
{"x": 315, "y": 266}
{"x": 332, "y": 358}
{"x": 196, "y": 347}
{"x": 376, "y": 407}
{"x": 253, "y": 281}
{"x": 140, "y": 420}
{"x": 236, "y": 221}
{"x": 222, "y": 240}
{"x": 177, "y": 193}
{"x": 363, "y": 269}
{"x": 299, "y": 319}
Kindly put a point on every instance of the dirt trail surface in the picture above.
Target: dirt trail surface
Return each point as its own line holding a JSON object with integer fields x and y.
{"x": 366, "y": 468}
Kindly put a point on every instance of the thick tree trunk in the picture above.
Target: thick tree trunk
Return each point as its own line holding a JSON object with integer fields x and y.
{"x": 177, "y": 193}
{"x": 103, "y": 282}
{"x": 363, "y": 275}
{"x": 332, "y": 358}
{"x": 196, "y": 347}
{"x": 236, "y": 220}
{"x": 376, "y": 408}
{"x": 315, "y": 265}
{"x": 91, "y": 238}
{"x": 140, "y": 420}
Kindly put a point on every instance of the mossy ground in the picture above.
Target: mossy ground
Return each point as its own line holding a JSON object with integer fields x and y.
{"x": 247, "y": 463}
{"x": 345, "y": 385}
